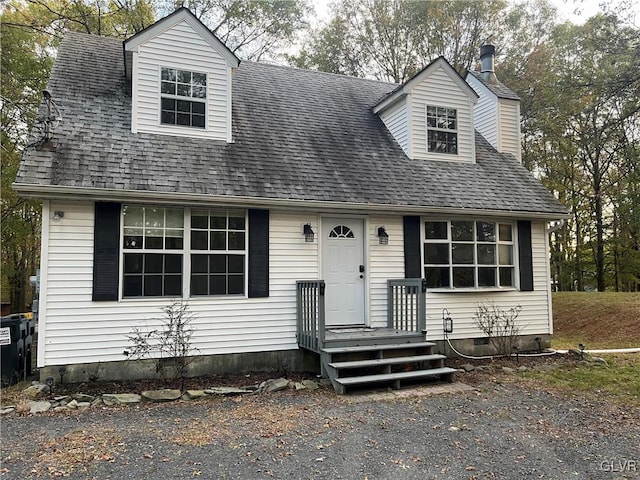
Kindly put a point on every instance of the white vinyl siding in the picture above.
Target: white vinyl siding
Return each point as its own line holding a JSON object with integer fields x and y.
{"x": 485, "y": 112}
{"x": 180, "y": 47}
{"x": 439, "y": 90}
{"x": 78, "y": 330}
{"x": 385, "y": 262}
{"x": 75, "y": 329}
{"x": 395, "y": 119}
{"x": 510, "y": 127}
{"x": 497, "y": 119}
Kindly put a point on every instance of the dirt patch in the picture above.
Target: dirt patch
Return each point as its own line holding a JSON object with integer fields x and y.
{"x": 597, "y": 319}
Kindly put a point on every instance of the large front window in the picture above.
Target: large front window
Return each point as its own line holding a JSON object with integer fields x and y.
{"x": 468, "y": 254}
{"x": 442, "y": 130}
{"x": 217, "y": 252}
{"x": 183, "y": 97}
{"x": 156, "y": 243}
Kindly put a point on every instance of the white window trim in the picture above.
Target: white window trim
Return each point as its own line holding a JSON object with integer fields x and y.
{"x": 186, "y": 258}
{"x": 437, "y": 129}
{"x": 451, "y": 289}
{"x": 184, "y": 128}
{"x": 227, "y": 251}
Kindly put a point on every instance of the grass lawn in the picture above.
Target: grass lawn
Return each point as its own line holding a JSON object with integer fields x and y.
{"x": 619, "y": 379}
{"x": 597, "y": 319}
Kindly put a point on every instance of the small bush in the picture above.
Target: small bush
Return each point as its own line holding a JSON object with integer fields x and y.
{"x": 170, "y": 346}
{"x": 499, "y": 325}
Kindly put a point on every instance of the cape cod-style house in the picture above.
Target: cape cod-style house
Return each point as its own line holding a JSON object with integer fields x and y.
{"x": 302, "y": 215}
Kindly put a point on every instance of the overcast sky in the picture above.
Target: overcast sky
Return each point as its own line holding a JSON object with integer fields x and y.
{"x": 576, "y": 11}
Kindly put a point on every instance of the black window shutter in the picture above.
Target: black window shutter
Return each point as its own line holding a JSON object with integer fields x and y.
{"x": 106, "y": 251}
{"x": 525, "y": 256}
{"x": 258, "y": 253}
{"x": 412, "y": 257}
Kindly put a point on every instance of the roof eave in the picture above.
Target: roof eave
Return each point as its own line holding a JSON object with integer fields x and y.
{"x": 59, "y": 192}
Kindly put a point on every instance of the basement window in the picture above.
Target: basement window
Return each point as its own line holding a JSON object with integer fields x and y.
{"x": 183, "y": 98}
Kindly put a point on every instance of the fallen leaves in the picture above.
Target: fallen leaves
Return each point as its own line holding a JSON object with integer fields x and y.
{"x": 78, "y": 450}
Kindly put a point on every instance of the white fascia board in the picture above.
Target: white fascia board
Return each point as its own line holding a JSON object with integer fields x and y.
{"x": 181, "y": 15}
{"x": 390, "y": 101}
{"x": 175, "y": 198}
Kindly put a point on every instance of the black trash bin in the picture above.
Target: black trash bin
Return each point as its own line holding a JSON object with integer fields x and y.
{"x": 12, "y": 329}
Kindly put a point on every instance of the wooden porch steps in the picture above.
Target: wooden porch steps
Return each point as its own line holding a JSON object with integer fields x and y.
{"x": 385, "y": 361}
{"x": 375, "y": 363}
{"x": 397, "y": 376}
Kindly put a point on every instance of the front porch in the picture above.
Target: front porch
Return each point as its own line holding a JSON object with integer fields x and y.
{"x": 358, "y": 356}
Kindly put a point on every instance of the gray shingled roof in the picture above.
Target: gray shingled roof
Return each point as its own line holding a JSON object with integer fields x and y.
{"x": 299, "y": 135}
{"x": 499, "y": 89}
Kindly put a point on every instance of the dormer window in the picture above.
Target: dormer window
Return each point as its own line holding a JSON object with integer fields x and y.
{"x": 442, "y": 130}
{"x": 183, "y": 98}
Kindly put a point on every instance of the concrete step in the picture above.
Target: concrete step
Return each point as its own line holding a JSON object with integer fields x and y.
{"x": 376, "y": 347}
{"x": 385, "y": 361}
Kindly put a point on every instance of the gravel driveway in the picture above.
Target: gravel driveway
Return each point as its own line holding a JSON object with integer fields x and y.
{"x": 506, "y": 431}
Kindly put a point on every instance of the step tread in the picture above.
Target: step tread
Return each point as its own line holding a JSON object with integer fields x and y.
{"x": 386, "y": 361}
{"x": 383, "y": 377}
{"x": 368, "y": 348}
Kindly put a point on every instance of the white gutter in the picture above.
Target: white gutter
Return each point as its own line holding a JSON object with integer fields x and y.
{"x": 110, "y": 194}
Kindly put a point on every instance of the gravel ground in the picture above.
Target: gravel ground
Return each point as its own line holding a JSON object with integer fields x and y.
{"x": 499, "y": 431}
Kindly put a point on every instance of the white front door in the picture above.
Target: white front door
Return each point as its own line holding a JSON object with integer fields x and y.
{"x": 343, "y": 270}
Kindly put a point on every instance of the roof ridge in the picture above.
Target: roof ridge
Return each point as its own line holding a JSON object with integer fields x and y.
{"x": 319, "y": 72}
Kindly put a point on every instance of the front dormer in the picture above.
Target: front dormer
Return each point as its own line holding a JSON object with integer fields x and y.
{"x": 431, "y": 115}
{"x": 181, "y": 79}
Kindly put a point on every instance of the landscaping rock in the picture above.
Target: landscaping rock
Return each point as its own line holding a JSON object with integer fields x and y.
{"x": 39, "y": 407}
{"x": 83, "y": 405}
{"x": 225, "y": 391}
{"x": 162, "y": 395}
{"x": 120, "y": 398}
{"x": 60, "y": 408}
{"x": 508, "y": 370}
{"x": 73, "y": 404}
{"x": 81, "y": 397}
{"x": 523, "y": 369}
{"x": 7, "y": 410}
{"x": 599, "y": 361}
{"x": 467, "y": 367}
{"x": 310, "y": 384}
{"x": 37, "y": 391}
{"x": 273, "y": 385}
{"x": 299, "y": 386}
{"x": 97, "y": 402}
{"x": 193, "y": 394}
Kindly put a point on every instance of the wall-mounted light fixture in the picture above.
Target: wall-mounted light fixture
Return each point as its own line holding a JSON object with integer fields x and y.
{"x": 57, "y": 215}
{"x": 383, "y": 236}
{"x": 308, "y": 232}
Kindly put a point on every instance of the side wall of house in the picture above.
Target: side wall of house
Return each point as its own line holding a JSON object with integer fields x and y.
{"x": 485, "y": 112}
{"x": 509, "y": 114}
{"x": 180, "y": 47}
{"x": 76, "y": 329}
{"x": 395, "y": 119}
{"x": 439, "y": 90}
